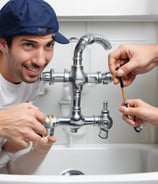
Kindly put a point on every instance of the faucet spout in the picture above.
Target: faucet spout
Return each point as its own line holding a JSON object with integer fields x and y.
{"x": 85, "y": 40}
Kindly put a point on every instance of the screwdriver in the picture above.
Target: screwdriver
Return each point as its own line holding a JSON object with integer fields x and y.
{"x": 136, "y": 128}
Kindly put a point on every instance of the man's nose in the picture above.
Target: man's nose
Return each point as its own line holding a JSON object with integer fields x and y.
{"x": 40, "y": 58}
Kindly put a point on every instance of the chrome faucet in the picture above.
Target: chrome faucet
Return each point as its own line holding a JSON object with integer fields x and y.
{"x": 77, "y": 77}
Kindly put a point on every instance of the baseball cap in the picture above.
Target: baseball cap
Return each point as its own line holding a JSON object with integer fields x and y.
{"x": 29, "y": 17}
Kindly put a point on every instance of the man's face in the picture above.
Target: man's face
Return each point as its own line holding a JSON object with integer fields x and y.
{"x": 28, "y": 56}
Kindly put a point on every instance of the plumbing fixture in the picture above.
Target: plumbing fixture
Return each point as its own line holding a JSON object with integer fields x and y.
{"x": 72, "y": 172}
{"x": 138, "y": 128}
{"x": 77, "y": 77}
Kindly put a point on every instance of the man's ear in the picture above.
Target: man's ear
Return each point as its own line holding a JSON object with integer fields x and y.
{"x": 3, "y": 45}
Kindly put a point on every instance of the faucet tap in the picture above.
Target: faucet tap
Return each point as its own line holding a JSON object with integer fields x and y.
{"x": 78, "y": 77}
{"x": 104, "y": 121}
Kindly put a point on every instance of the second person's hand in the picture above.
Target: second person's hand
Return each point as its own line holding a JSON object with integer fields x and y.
{"x": 132, "y": 60}
{"x": 139, "y": 112}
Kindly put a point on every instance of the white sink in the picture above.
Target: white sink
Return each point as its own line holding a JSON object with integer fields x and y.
{"x": 100, "y": 160}
{"x": 110, "y": 164}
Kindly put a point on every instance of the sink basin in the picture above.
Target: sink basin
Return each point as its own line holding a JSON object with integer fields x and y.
{"x": 110, "y": 164}
{"x": 101, "y": 160}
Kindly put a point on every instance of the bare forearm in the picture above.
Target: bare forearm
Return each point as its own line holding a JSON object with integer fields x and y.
{"x": 22, "y": 163}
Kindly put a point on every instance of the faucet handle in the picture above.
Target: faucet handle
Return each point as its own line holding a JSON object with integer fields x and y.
{"x": 50, "y": 124}
{"x": 47, "y": 76}
{"x": 103, "y": 133}
{"x": 106, "y": 78}
{"x": 105, "y": 121}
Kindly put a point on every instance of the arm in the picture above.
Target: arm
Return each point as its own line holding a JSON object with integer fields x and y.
{"x": 21, "y": 162}
{"x": 132, "y": 60}
{"x": 19, "y": 125}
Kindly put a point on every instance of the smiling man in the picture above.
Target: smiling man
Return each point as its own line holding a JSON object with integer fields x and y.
{"x": 28, "y": 32}
{"x": 26, "y": 58}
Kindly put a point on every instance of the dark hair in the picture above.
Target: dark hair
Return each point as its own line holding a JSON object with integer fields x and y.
{"x": 8, "y": 40}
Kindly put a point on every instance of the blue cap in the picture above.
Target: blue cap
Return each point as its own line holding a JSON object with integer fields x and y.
{"x": 29, "y": 17}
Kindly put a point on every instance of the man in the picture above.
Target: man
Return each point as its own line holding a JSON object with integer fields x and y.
{"x": 28, "y": 32}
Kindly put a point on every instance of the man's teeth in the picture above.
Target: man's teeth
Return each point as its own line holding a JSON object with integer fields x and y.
{"x": 33, "y": 69}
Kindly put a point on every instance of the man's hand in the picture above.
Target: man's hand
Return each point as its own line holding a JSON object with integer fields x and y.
{"x": 21, "y": 124}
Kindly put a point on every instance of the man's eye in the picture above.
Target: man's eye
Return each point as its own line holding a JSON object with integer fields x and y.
{"x": 50, "y": 45}
{"x": 28, "y": 45}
